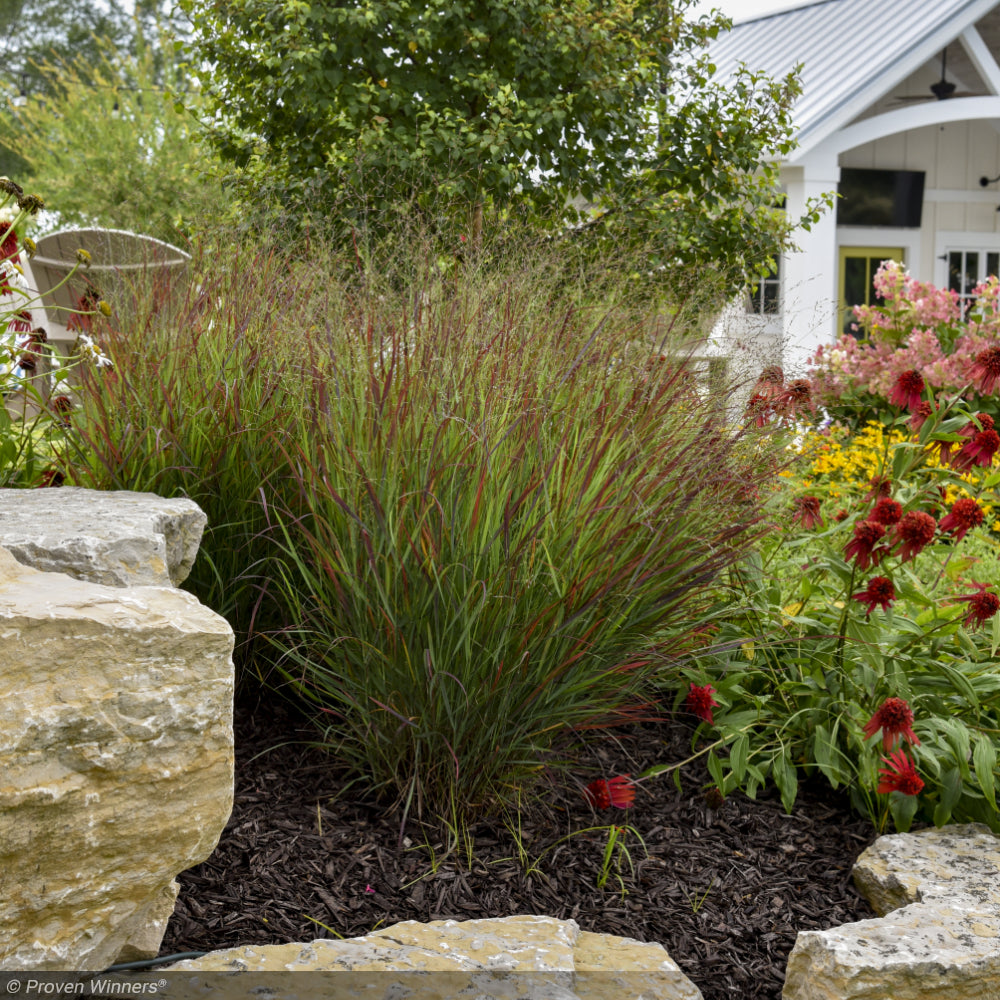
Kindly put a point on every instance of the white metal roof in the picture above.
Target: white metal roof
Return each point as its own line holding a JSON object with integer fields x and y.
{"x": 852, "y": 51}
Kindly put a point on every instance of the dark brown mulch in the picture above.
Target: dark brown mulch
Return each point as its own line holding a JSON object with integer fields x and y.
{"x": 724, "y": 890}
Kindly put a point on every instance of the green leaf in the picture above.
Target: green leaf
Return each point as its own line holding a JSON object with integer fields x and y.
{"x": 715, "y": 770}
{"x": 984, "y": 759}
{"x": 903, "y": 809}
{"x": 785, "y": 778}
{"x": 738, "y": 754}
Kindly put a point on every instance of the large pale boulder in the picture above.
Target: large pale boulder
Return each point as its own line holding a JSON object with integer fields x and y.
{"x": 526, "y": 956}
{"x": 116, "y": 763}
{"x": 119, "y": 539}
{"x": 939, "y": 934}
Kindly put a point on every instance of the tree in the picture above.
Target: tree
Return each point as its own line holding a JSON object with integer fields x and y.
{"x": 601, "y": 114}
{"x": 103, "y": 138}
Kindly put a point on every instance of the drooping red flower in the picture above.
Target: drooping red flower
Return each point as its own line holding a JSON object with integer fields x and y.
{"x": 908, "y": 390}
{"x": 895, "y": 718}
{"x": 700, "y": 702}
{"x": 806, "y": 512}
{"x": 606, "y": 792}
{"x": 985, "y": 370}
{"x": 881, "y": 486}
{"x": 771, "y": 381}
{"x": 841, "y": 515}
{"x": 879, "y": 591}
{"x": 886, "y": 512}
{"x": 920, "y": 415}
{"x": 796, "y": 397}
{"x": 915, "y": 531}
{"x": 900, "y": 775}
{"x": 760, "y": 409}
{"x": 982, "y": 605}
{"x": 964, "y": 515}
{"x": 978, "y": 451}
{"x": 864, "y": 545}
{"x": 51, "y": 478}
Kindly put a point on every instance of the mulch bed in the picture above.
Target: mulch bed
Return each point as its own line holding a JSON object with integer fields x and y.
{"x": 725, "y": 890}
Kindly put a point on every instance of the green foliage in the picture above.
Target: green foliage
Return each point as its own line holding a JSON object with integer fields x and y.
{"x": 464, "y": 516}
{"x": 105, "y": 139}
{"x": 470, "y": 115}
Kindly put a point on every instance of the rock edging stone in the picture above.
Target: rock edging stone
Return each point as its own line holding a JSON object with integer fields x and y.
{"x": 552, "y": 958}
{"x": 121, "y": 539}
{"x": 116, "y": 735}
{"x": 937, "y": 893}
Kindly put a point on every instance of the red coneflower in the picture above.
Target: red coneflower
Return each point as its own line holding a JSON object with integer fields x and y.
{"x": 979, "y": 451}
{"x": 985, "y": 370}
{"x": 841, "y": 515}
{"x": 879, "y": 591}
{"x": 920, "y": 415}
{"x": 982, "y": 605}
{"x": 867, "y": 535}
{"x": 908, "y": 390}
{"x": 771, "y": 380}
{"x": 805, "y": 511}
{"x": 881, "y": 486}
{"x": 797, "y": 396}
{"x": 700, "y": 702}
{"x": 899, "y": 776}
{"x": 895, "y": 718}
{"x": 760, "y": 409}
{"x": 915, "y": 531}
{"x": 964, "y": 515}
{"x": 606, "y": 792}
{"x": 886, "y": 512}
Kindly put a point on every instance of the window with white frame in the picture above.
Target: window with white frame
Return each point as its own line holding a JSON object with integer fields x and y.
{"x": 968, "y": 268}
{"x": 764, "y": 298}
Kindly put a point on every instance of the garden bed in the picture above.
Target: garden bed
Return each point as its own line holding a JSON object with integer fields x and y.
{"x": 725, "y": 889}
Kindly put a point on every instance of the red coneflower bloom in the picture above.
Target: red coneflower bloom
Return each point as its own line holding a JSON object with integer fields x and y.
{"x": 985, "y": 370}
{"x": 606, "y": 792}
{"x": 899, "y": 776}
{"x": 907, "y": 391}
{"x": 895, "y": 718}
{"x": 920, "y": 415}
{"x": 879, "y": 591}
{"x": 700, "y": 702}
{"x": 51, "y": 477}
{"x": 881, "y": 486}
{"x": 982, "y": 605}
{"x": 965, "y": 514}
{"x": 797, "y": 396}
{"x": 771, "y": 380}
{"x": 867, "y": 535}
{"x": 806, "y": 512}
{"x": 760, "y": 409}
{"x": 915, "y": 531}
{"x": 886, "y": 512}
{"x": 841, "y": 515}
{"x": 979, "y": 451}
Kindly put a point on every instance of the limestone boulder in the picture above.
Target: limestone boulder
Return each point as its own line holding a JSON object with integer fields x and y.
{"x": 116, "y": 763}
{"x": 939, "y": 895}
{"x": 120, "y": 539}
{"x": 522, "y": 956}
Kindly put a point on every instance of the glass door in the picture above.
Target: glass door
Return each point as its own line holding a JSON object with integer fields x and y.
{"x": 857, "y": 273}
{"x": 967, "y": 268}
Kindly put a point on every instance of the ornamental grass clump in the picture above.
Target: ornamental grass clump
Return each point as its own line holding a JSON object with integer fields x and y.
{"x": 461, "y": 516}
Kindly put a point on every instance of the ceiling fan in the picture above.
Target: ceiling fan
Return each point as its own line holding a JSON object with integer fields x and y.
{"x": 943, "y": 89}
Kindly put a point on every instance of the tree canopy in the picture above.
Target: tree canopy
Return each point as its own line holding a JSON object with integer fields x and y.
{"x": 600, "y": 114}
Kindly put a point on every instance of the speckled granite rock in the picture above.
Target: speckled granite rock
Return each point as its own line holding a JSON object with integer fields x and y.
{"x": 116, "y": 763}
{"x": 120, "y": 539}
{"x": 531, "y": 956}
{"x": 939, "y": 936}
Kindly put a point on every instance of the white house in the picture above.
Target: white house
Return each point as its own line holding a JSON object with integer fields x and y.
{"x": 900, "y": 114}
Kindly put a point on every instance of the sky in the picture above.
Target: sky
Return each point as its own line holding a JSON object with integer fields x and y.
{"x": 738, "y": 9}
